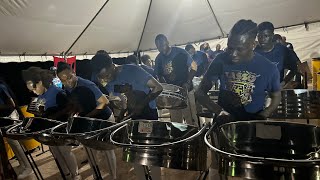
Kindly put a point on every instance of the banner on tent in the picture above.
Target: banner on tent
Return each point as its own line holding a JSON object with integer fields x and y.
{"x": 71, "y": 61}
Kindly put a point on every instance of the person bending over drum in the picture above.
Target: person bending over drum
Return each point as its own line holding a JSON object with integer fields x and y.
{"x": 88, "y": 101}
{"x": 140, "y": 88}
{"x": 245, "y": 78}
{"x": 51, "y": 103}
{"x": 175, "y": 66}
{"x": 71, "y": 81}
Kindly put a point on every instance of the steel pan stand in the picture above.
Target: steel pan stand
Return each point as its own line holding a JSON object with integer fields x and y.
{"x": 93, "y": 163}
{"x": 109, "y": 161}
{"x": 32, "y": 163}
{"x": 147, "y": 172}
{"x": 60, "y": 169}
{"x": 58, "y": 164}
{"x": 42, "y": 150}
{"x": 203, "y": 175}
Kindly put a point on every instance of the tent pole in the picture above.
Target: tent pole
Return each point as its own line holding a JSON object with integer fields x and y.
{"x": 216, "y": 19}
{"x": 144, "y": 26}
{"x": 66, "y": 52}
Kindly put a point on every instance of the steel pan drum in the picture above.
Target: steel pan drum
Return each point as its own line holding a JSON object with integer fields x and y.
{"x": 93, "y": 133}
{"x": 172, "y": 97}
{"x": 39, "y": 129}
{"x": 298, "y": 104}
{"x": 163, "y": 144}
{"x": 267, "y": 150}
{"x": 6, "y": 122}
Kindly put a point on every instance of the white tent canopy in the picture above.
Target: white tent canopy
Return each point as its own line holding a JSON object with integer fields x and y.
{"x": 36, "y": 27}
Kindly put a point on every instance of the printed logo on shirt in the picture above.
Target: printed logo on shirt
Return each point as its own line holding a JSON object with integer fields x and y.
{"x": 40, "y": 103}
{"x": 241, "y": 83}
{"x": 168, "y": 69}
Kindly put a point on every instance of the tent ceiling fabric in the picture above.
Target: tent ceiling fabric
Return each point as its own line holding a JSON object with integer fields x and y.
{"x": 40, "y": 26}
{"x": 279, "y": 12}
{"x": 116, "y": 29}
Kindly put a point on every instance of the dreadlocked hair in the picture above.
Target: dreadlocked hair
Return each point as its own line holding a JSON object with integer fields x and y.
{"x": 243, "y": 27}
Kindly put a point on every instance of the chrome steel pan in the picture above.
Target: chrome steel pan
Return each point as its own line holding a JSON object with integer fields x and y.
{"x": 163, "y": 144}
{"x": 266, "y": 150}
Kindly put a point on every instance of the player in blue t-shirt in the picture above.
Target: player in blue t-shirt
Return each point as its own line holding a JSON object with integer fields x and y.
{"x": 174, "y": 65}
{"x": 170, "y": 71}
{"x": 246, "y": 78}
{"x": 88, "y": 99}
{"x": 139, "y": 86}
{"x": 200, "y": 58}
{"x": 51, "y": 103}
{"x": 278, "y": 54}
{"x": 52, "y": 100}
{"x": 72, "y": 82}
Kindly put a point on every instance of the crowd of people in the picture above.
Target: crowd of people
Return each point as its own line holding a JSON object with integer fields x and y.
{"x": 247, "y": 73}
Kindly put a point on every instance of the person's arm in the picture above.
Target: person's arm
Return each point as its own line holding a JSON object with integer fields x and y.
{"x": 148, "y": 81}
{"x": 102, "y": 102}
{"x": 203, "y": 98}
{"x": 213, "y": 73}
{"x": 192, "y": 70}
{"x": 274, "y": 92}
{"x": 156, "y": 89}
{"x": 205, "y": 61}
{"x": 275, "y": 101}
{"x": 291, "y": 63}
{"x": 157, "y": 69}
{"x": 101, "y": 99}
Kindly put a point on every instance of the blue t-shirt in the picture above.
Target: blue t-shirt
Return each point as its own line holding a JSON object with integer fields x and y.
{"x": 249, "y": 81}
{"x": 49, "y": 98}
{"x": 282, "y": 57}
{"x": 95, "y": 90}
{"x": 201, "y": 60}
{"x": 149, "y": 70}
{"x": 136, "y": 77}
{"x": 53, "y": 100}
{"x": 173, "y": 72}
